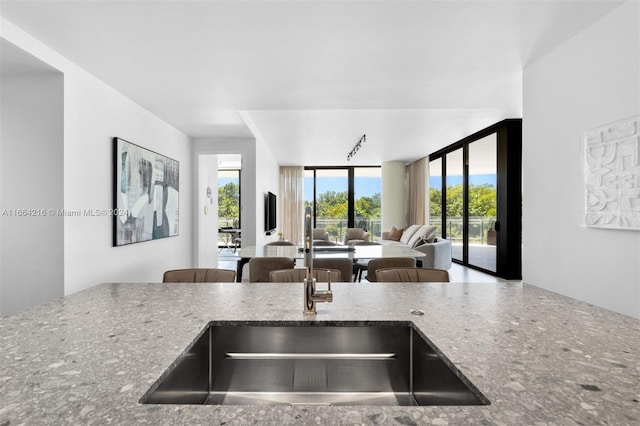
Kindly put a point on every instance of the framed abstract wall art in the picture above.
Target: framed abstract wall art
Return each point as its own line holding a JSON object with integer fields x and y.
{"x": 146, "y": 194}
{"x": 612, "y": 175}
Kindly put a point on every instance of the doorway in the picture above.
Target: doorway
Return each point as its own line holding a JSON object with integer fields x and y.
{"x": 229, "y": 203}
{"x": 218, "y": 190}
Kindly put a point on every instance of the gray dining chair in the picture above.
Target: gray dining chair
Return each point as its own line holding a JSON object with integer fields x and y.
{"x": 259, "y": 267}
{"x": 344, "y": 265}
{"x": 320, "y": 234}
{"x": 199, "y": 275}
{"x": 412, "y": 275}
{"x": 388, "y": 262}
{"x": 297, "y": 275}
{"x": 354, "y": 235}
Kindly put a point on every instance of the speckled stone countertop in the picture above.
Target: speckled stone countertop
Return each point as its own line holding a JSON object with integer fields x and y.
{"x": 539, "y": 357}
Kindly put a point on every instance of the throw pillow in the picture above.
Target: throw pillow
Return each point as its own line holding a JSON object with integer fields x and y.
{"x": 408, "y": 233}
{"x": 431, "y": 232}
{"x": 418, "y": 242}
{"x": 425, "y": 231}
{"x": 424, "y": 240}
{"x": 395, "y": 233}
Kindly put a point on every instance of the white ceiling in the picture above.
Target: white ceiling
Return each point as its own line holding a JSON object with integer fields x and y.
{"x": 311, "y": 77}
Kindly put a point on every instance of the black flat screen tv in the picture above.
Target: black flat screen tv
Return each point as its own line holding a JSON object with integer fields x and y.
{"x": 270, "y": 213}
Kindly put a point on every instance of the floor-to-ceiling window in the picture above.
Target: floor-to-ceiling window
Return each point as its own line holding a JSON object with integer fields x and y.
{"x": 309, "y": 188}
{"x": 344, "y": 197}
{"x": 475, "y": 198}
{"x": 483, "y": 199}
{"x": 435, "y": 195}
{"x": 454, "y": 209}
{"x": 367, "y": 185}
{"x": 332, "y": 201}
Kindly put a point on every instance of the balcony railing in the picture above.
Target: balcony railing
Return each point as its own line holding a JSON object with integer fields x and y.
{"x": 478, "y": 228}
{"x": 232, "y": 222}
{"x": 336, "y": 227}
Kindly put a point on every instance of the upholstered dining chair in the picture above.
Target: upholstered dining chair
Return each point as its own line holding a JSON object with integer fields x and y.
{"x": 297, "y": 275}
{"x": 412, "y": 275}
{"x": 388, "y": 262}
{"x": 344, "y": 265}
{"x": 259, "y": 267}
{"x": 320, "y": 234}
{"x": 353, "y": 235}
{"x": 199, "y": 275}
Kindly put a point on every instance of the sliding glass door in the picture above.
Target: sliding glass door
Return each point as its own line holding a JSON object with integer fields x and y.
{"x": 475, "y": 198}
{"x": 454, "y": 208}
{"x": 483, "y": 198}
{"x": 470, "y": 201}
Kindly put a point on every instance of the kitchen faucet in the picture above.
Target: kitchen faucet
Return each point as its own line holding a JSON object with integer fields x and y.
{"x": 311, "y": 296}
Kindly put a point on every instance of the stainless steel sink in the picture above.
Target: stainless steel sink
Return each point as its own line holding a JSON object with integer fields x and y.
{"x": 313, "y": 363}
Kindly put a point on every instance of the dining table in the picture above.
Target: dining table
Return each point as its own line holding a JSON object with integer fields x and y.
{"x": 355, "y": 252}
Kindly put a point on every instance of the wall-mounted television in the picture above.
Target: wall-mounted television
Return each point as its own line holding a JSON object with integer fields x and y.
{"x": 270, "y": 207}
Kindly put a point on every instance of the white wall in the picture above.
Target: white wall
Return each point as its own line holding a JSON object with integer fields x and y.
{"x": 93, "y": 114}
{"x": 590, "y": 80}
{"x": 31, "y": 146}
{"x": 207, "y": 211}
{"x": 268, "y": 179}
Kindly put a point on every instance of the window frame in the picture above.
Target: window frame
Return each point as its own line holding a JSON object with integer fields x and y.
{"x": 351, "y": 202}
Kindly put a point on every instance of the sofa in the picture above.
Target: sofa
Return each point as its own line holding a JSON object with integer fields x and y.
{"x": 422, "y": 238}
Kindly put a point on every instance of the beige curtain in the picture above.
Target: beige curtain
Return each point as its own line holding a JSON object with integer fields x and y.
{"x": 291, "y": 203}
{"x": 417, "y": 192}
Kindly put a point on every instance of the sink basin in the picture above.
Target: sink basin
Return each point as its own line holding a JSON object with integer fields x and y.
{"x": 313, "y": 363}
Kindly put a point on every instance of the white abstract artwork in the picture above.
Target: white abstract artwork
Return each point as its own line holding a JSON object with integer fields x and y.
{"x": 612, "y": 175}
{"x": 146, "y": 194}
